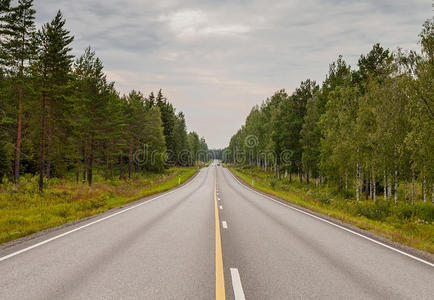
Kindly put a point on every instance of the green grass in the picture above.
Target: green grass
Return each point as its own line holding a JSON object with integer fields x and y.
{"x": 411, "y": 225}
{"x": 26, "y": 211}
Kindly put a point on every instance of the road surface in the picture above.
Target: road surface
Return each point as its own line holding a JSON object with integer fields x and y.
{"x": 210, "y": 238}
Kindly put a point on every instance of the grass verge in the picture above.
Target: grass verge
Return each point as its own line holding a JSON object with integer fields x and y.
{"x": 26, "y": 211}
{"x": 411, "y": 225}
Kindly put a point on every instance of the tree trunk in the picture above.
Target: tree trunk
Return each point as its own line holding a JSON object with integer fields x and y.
{"x": 346, "y": 181}
{"x": 42, "y": 145}
{"x": 374, "y": 186}
{"x": 106, "y": 172}
{"x": 18, "y": 141}
{"x": 84, "y": 163}
{"x": 406, "y": 192}
{"x": 396, "y": 179}
{"x": 77, "y": 171}
{"x": 111, "y": 166}
{"x": 424, "y": 189}
{"x": 90, "y": 162}
{"x": 385, "y": 185}
{"x": 120, "y": 166}
{"x": 130, "y": 160}
{"x": 49, "y": 138}
{"x": 432, "y": 195}
{"x": 413, "y": 196}
{"x": 357, "y": 182}
{"x": 367, "y": 188}
{"x": 389, "y": 193}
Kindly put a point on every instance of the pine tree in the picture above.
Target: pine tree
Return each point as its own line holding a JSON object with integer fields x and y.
{"x": 17, "y": 50}
{"x": 168, "y": 117}
{"x": 153, "y": 137}
{"x": 92, "y": 92}
{"x": 180, "y": 141}
{"x": 52, "y": 69}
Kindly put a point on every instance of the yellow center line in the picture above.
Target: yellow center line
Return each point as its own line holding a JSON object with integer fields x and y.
{"x": 219, "y": 273}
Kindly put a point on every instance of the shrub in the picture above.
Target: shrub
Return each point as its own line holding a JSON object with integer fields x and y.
{"x": 379, "y": 210}
{"x": 421, "y": 211}
{"x": 325, "y": 198}
{"x": 347, "y": 194}
{"x": 274, "y": 183}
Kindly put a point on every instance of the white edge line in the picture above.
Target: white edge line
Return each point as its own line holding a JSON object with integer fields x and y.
{"x": 236, "y": 285}
{"x": 89, "y": 224}
{"x": 225, "y": 225}
{"x": 336, "y": 225}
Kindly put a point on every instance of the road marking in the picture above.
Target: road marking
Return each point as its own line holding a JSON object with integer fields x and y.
{"x": 336, "y": 225}
{"x": 221, "y": 207}
{"x": 218, "y": 199}
{"x": 91, "y": 223}
{"x": 220, "y": 293}
{"x": 225, "y": 225}
{"x": 236, "y": 284}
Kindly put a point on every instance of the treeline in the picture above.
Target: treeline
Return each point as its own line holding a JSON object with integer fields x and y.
{"x": 368, "y": 130}
{"x": 60, "y": 115}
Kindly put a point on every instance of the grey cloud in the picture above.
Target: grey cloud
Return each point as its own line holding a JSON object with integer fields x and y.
{"x": 230, "y": 55}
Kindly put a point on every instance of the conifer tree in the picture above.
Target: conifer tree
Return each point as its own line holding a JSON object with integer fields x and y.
{"x": 17, "y": 50}
{"x": 52, "y": 73}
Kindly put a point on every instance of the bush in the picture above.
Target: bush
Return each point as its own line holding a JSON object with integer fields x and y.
{"x": 325, "y": 198}
{"x": 347, "y": 194}
{"x": 379, "y": 210}
{"x": 421, "y": 211}
{"x": 274, "y": 183}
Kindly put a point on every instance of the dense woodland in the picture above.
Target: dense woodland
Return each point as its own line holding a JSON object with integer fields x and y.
{"x": 369, "y": 130}
{"x": 60, "y": 115}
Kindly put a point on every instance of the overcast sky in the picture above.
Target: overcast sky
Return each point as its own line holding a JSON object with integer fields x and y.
{"x": 215, "y": 59}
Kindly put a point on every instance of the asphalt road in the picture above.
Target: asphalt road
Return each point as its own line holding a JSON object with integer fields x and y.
{"x": 212, "y": 236}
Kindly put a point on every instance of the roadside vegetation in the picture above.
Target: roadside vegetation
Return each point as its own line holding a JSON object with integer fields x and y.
{"x": 358, "y": 146}
{"x": 27, "y": 211}
{"x": 411, "y": 225}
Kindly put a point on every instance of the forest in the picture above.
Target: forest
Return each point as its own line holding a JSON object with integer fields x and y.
{"x": 366, "y": 131}
{"x": 61, "y": 115}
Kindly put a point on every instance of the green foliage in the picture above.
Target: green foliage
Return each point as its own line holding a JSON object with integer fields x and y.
{"x": 419, "y": 211}
{"x": 60, "y": 114}
{"x": 379, "y": 210}
{"x": 359, "y": 130}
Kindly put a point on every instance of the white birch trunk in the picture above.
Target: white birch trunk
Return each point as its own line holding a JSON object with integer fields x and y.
{"x": 385, "y": 185}
{"x": 406, "y": 191}
{"x": 413, "y": 196}
{"x": 389, "y": 193}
